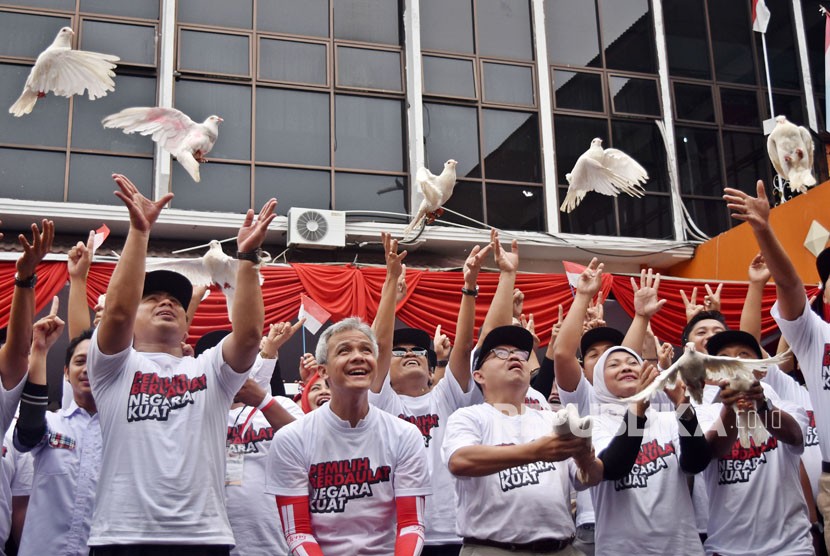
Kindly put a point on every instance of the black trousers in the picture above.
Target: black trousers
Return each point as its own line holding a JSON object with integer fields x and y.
{"x": 160, "y": 550}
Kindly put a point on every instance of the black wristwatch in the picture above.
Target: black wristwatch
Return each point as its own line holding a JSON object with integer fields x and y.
{"x": 252, "y": 256}
{"x": 473, "y": 292}
{"x": 442, "y": 363}
{"x": 27, "y": 283}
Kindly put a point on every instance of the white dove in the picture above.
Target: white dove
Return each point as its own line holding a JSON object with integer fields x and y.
{"x": 790, "y": 149}
{"x": 185, "y": 139}
{"x": 606, "y": 171}
{"x": 567, "y": 421}
{"x": 436, "y": 190}
{"x": 695, "y": 368}
{"x": 66, "y": 72}
{"x": 214, "y": 267}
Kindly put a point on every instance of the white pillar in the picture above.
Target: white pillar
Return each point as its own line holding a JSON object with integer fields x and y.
{"x": 166, "y": 41}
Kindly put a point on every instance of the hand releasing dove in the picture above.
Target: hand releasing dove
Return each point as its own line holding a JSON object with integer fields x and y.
{"x": 790, "y": 149}
{"x": 695, "y": 368}
{"x": 66, "y": 72}
{"x": 185, "y": 139}
{"x": 436, "y": 191}
{"x": 606, "y": 171}
{"x": 567, "y": 421}
{"x": 214, "y": 267}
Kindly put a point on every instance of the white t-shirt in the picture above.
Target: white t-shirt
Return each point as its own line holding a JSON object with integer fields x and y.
{"x": 16, "y": 480}
{"x": 517, "y": 505}
{"x": 756, "y": 505}
{"x": 9, "y": 400}
{"x": 164, "y": 425}
{"x": 252, "y": 513}
{"x": 351, "y": 475}
{"x": 650, "y": 510}
{"x": 430, "y": 413}
{"x": 809, "y": 338}
{"x": 700, "y": 499}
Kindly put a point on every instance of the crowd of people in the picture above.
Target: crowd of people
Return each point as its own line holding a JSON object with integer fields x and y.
{"x": 401, "y": 443}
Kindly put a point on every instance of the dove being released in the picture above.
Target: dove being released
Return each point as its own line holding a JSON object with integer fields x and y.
{"x": 185, "y": 139}
{"x": 214, "y": 267}
{"x": 790, "y": 149}
{"x": 567, "y": 421}
{"x": 436, "y": 190}
{"x": 695, "y": 368}
{"x": 66, "y": 72}
{"x": 606, "y": 171}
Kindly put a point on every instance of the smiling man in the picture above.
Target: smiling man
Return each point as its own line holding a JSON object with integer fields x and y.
{"x": 347, "y": 472}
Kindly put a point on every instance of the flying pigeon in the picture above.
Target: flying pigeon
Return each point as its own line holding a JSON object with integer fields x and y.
{"x": 606, "y": 171}
{"x": 567, "y": 421}
{"x": 66, "y": 72}
{"x": 695, "y": 368}
{"x": 185, "y": 139}
{"x": 214, "y": 267}
{"x": 436, "y": 191}
{"x": 790, "y": 149}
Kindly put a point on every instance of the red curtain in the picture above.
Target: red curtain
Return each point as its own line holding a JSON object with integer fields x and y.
{"x": 432, "y": 296}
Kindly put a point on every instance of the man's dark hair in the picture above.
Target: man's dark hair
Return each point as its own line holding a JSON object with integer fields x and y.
{"x": 73, "y": 344}
{"x": 703, "y": 315}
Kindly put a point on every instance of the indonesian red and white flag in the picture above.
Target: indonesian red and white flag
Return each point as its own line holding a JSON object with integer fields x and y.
{"x": 314, "y": 314}
{"x": 100, "y": 237}
{"x": 760, "y": 16}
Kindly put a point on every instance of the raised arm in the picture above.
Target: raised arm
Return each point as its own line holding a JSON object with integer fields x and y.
{"x": 443, "y": 347}
{"x": 195, "y": 300}
{"x": 755, "y": 211}
{"x": 78, "y": 262}
{"x": 500, "y": 312}
{"x": 646, "y": 306}
{"x": 384, "y": 323}
{"x": 464, "y": 328}
{"x": 751, "y": 312}
{"x": 241, "y": 346}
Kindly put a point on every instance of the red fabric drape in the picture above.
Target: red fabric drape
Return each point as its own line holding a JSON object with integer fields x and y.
{"x": 432, "y": 298}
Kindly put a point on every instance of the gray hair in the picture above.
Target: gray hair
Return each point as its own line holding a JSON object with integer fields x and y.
{"x": 351, "y": 323}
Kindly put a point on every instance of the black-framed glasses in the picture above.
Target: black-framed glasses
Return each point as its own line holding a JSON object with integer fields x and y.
{"x": 504, "y": 354}
{"x": 400, "y": 352}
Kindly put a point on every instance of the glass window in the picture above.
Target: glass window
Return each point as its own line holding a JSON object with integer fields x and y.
{"x": 791, "y": 106}
{"x": 504, "y": 29}
{"x": 711, "y": 216}
{"x": 369, "y": 69}
{"x": 224, "y": 188}
{"x": 214, "y": 53}
{"x": 746, "y": 160}
{"x": 731, "y": 32}
{"x": 573, "y": 137}
{"x": 232, "y": 102}
{"x": 26, "y": 35}
{"x": 357, "y": 192}
{"x": 698, "y": 160}
{"x": 293, "y": 188}
{"x": 508, "y": 84}
{"x": 595, "y": 215}
{"x": 147, "y": 9}
{"x": 65, "y": 5}
{"x": 571, "y": 29}
{"x": 452, "y": 132}
{"x": 34, "y": 175}
{"x": 86, "y": 124}
{"x": 221, "y": 13}
{"x": 447, "y": 25}
{"x": 511, "y": 143}
{"x": 90, "y": 177}
{"x": 578, "y": 91}
{"x": 694, "y": 102}
{"x": 369, "y": 133}
{"x": 781, "y": 46}
{"x": 634, "y": 96}
{"x": 309, "y": 17}
{"x": 367, "y": 21}
{"x": 650, "y": 216}
{"x": 512, "y": 207}
{"x": 47, "y": 123}
{"x": 299, "y": 62}
{"x": 628, "y": 35}
{"x": 643, "y": 142}
{"x": 467, "y": 199}
{"x": 452, "y": 77}
{"x": 134, "y": 44}
{"x": 739, "y": 107}
{"x": 686, "y": 38}
{"x": 292, "y": 127}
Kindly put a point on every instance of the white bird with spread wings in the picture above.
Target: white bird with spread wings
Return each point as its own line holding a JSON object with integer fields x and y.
{"x": 66, "y": 72}
{"x": 606, "y": 171}
{"x": 436, "y": 190}
{"x": 790, "y": 149}
{"x": 186, "y": 140}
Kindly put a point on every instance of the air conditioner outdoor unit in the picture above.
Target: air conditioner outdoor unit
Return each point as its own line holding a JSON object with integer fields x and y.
{"x": 316, "y": 228}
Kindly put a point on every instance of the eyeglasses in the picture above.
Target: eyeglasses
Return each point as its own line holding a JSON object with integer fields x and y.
{"x": 505, "y": 354}
{"x": 400, "y": 352}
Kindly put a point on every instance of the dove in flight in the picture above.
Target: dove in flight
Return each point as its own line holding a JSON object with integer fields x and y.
{"x": 185, "y": 139}
{"x": 66, "y": 72}
{"x": 436, "y": 190}
{"x": 606, "y": 171}
{"x": 695, "y": 368}
{"x": 790, "y": 149}
{"x": 214, "y": 267}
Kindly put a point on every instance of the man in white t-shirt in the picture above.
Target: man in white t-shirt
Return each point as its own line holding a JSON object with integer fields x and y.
{"x": 350, "y": 479}
{"x": 806, "y": 332}
{"x": 513, "y": 477}
{"x": 164, "y": 416}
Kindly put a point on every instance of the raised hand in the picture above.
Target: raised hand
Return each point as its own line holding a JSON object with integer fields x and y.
{"x": 665, "y": 353}
{"x": 518, "y": 303}
{"x": 79, "y": 258}
{"x": 691, "y": 304}
{"x": 401, "y": 288}
{"x": 594, "y": 314}
{"x": 743, "y": 207}
{"x": 590, "y": 281}
{"x": 252, "y": 232}
{"x": 394, "y": 260}
{"x": 554, "y": 331}
{"x": 442, "y": 344}
{"x": 506, "y": 261}
{"x": 143, "y": 211}
{"x": 34, "y": 252}
{"x": 307, "y": 367}
{"x": 529, "y": 324}
{"x": 758, "y": 271}
{"x": 278, "y": 334}
{"x": 711, "y": 301}
{"x": 47, "y": 330}
{"x": 647, "y": 375}
{"x": 646, "y": 303}
{"x": 472, "y": 266}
